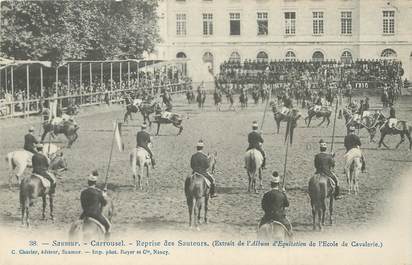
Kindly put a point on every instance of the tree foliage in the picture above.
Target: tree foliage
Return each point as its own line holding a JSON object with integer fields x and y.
{"x": 78, "y": 29}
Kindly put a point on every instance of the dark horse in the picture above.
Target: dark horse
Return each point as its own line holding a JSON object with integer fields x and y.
{"x": 68, "y": 128}
{"x": 174, "y": 119}
{"x": 190, "y": 96}
{"x": 319, "y": 190}
{"x": 217, "y": 97}
{"x": 129, "y": 110}
{"x": 401, "y": 128}
{"x": 200, "y": 99}
{"x": 243, "y": 99}
{"x": 148, "y": 108}
{"x": 324, "y": 113}
{"x": 31, "y": 188}
{"x": 197, "y": 194}
{"x": 292, "y": 116}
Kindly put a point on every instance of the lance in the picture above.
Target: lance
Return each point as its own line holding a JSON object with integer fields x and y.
{"x": 110, "y": 157}
{"x": 334, "y": 126}
{"x": 289, "y": 126}
{"x": 264, "y": 113}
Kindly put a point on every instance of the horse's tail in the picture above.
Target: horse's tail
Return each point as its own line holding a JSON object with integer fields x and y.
{"x": 251, "y": 162}
{"x": 187, "y": 188}
{"x": 75, "y": 229}
{"x": 317, "y": 192}
{"x": 10, "y": 161}
{"x": 133, "y": 159}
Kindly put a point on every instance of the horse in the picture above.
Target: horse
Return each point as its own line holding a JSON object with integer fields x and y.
{"x": 273, "y": 231}
{"x": 352, "y": 170}
{"x": 139, "y": 157}
{"x": 190, "y": 96}
{"x": 90, "y": 229}
{"x": 401, "y": 128}
{"x": 243, "y": 100}
{"x": 255, "y": 96}
{"x": 324, "y": 113}
{"x": 369, "y": 122}
{"x": 31, "y": 188}
{"x": 293, "y": 116}
{"x": 197, "y": 193}
{"x": 67, "y": 127}
{"x": 253, "y": 163}
{"x": 132, "y": 108}
{"x": 200, "y": 99}
{"x": 148, "y": 108}
{"x": 19, "y": 160}
{"x": 174, "y": 119}
{"x": 319, "y": 190}
{"x": 217, "y": 97}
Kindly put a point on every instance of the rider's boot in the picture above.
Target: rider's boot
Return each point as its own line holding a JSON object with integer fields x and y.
{"x": 337, "y": 193}
{"x": 213, "y": 190}
{"x": 52, "y": 187}
{"x": 264, "y": 163}
{"x": 363, "y": 169}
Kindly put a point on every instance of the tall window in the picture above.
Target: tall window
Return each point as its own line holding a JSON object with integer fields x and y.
{"x": 318, "y": 56}
{"x": 262, "y": 23}
{"x": 290, "y": 56}
{"x": 181, "y": 24}
{"x": 346, "y": 57}
{"x": 207, "y": 24}
{"x": 290, "y": 23}
{"x": 388, "y": 22}
{"x": 346, "y": 22}
{"x": 234, "y": 23}
{"x": 234, "y": 57}
{"x": 317, "y": 23}
{"x": 262, "y": 57}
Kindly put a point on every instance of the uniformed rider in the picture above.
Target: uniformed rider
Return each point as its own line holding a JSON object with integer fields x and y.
{"x": 200, "y": 163}
{"x": 92, "y": 200}
{"x": 274, "y": 203}
{"x": 143, "y": 140}
{"x": 392, "y": 117}
{"x": 40, "y": 163}
{"x": 255, "y": 140}
{"x": 30, "y": 141}
{"x": 325, "y": 163}
{"x": 352, "y": 141}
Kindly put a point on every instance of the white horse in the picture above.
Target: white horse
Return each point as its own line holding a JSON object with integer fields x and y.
{"x": 21, "y": 159}
{"x": 352, "y": 168}
{"x": 139, "y": 157}
{"x": 253, "y": 164}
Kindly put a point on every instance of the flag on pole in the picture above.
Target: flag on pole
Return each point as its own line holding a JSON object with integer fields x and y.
{"x": 118, "y": 136}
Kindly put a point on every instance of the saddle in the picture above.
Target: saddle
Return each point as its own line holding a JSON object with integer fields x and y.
{"x": 208, "y": 184}
{"x": 91, "y": 219}
{"x": 45, "y": 182}
{"x": 141, "y": 149}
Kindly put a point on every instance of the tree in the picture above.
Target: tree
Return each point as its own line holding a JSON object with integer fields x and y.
{"x": 82, "y": 30}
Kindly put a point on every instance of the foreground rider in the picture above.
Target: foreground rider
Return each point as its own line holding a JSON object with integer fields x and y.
{"x": 30, "y": 141}
{"x": 255, "y": 140}
{"x": 199, "y": 162}
{"x": 353, "y": 141}
{"x": 143, "y": 140}
{"x": 324, "y": 164}
{"x": 93, "y": 200}
{"x": 274, "y": 203}
{"x": 40, "y": 164}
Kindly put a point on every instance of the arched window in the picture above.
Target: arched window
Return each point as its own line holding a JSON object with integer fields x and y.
{"x": 234, "y": 57}
{"x": 262, "y": 57}
{"x": 181, "y": 55}
{"x": 388, "y": 54}
{"x": 290, "y": 56}
{"x": 346, "y": 57}
{"x": 208, "y": 59}
{"x": 318, "y": 56}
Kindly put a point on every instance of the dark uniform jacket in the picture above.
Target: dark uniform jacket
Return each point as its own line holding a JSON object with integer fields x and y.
{"x": 143, "y": 139}
{"x": 287, "y": 102}
{"x": 29, "y": 142}
{"x": 199, "y": 163}
{"x": 92, "y": 201}
{"x": 351, "y": 141}
{"x": 254, "y": 138}
{"x": 40, "y": 164}
{"x": 324, "y": 163}
{"x": 392, "y": 113}
{"x": 274, "y": 203}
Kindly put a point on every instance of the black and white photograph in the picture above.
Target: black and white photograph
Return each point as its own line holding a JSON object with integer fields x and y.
{"x": 206, "y": 132}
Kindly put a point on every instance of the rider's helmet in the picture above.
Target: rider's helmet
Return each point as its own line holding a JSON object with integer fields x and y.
{"x": 254, "y": 125}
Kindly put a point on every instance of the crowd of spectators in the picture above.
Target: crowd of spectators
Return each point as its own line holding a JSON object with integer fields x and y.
{"x": 269, "y": 72}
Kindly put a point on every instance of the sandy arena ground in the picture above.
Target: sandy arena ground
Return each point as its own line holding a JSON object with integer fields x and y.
{"x": 162, "y": 206}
